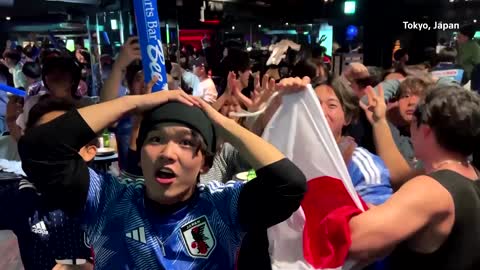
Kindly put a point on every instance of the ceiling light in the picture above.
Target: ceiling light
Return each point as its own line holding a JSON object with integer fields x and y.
{"x": 8, "y": 18}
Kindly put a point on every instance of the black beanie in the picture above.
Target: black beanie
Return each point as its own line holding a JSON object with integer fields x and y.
{"x": 175, "y": 112}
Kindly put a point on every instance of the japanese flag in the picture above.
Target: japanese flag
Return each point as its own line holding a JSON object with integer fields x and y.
{"x": 317, "y": 236}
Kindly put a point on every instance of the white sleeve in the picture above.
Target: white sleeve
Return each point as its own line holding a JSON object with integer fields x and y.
{"x": 210, "y": 94}
{"x": 23, "y": 117}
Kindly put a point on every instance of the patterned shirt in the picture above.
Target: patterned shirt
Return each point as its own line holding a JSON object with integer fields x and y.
{"x": 370, "y": 176}
{"x": 127, "y": 234}
{"x": 44, "y": 235}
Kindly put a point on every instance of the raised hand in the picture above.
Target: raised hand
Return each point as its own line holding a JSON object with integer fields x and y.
{"x": 292, "y": 85}
{"x": 234, "y": 89}
{"x": 376, "y": 109}
{"x": 214, "y": 115}
{"x": 262, "y": 92}
{"x": 233, "y": 85}
{"x": 149, "y": 100}
{"x": 130, "y": 52}
{"x": 148, "y": 87}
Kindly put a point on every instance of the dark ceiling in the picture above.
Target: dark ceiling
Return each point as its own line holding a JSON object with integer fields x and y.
{"x": 43, "y": 9}
{"x": 256, "y": 11}
{"x": 304, "y": 11}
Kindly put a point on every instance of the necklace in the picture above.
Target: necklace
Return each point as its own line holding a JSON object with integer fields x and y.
{"x": 446, "y": 162}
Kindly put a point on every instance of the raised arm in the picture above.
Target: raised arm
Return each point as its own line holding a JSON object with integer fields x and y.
{"x": 400, "y": 170}
{"x": 129, "y": 53}
{"x": 377, "y": 231}
{"x": 217, "y": 105}
{"x": 279, "y": 187}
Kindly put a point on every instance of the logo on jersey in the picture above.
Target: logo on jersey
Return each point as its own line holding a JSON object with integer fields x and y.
{"x": 40, "y": 228}
{"x": 198, "y": 238}
{"x": 137, "y": 235}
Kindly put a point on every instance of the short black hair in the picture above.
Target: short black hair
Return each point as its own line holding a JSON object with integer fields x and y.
{"x": 453, "y": 113}
{"x": 45, "y": 105}
{"x": 47, "y": 53}
{"x": 344, "y": 92}
{"x": 304, "y": 68}
{"x": 32, "y": 70}
{"x": 13, "y": 54}
{"x": 64, "y": 64}
{"x": 399, "y": 54}
{"x": 244, "y": 63}
{"x": 86, "y": 56}
{"x": 468, "y": 30}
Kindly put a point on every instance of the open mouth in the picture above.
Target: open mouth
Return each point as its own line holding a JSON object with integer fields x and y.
{"x": 165, "y": 175}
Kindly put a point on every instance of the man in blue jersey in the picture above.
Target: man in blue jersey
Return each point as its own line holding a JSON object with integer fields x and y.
{"x": 167, "y": 220}
{"x": 47, "y": 233}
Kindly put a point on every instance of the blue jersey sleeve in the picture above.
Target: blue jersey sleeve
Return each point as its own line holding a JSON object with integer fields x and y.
{"x": 225, "y": 198}
{"x": 104, "y": 190}
{"x": 370, "y": 176}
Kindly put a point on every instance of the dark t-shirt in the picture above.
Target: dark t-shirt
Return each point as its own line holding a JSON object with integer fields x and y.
{"x": 460, "y": 249}
{"x": 44, "y": 235}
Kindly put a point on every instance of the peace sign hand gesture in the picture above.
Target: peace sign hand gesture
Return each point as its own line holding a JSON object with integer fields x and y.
{"x": 376, "y": 109}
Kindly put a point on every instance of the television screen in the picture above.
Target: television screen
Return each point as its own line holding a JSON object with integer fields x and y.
{"x": 71, "y": 45}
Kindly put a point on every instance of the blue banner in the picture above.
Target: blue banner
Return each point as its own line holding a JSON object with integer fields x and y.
{"x": 148, "y": 28}
{"x": 453, "y": 74}
{"x": 12, "y": 90}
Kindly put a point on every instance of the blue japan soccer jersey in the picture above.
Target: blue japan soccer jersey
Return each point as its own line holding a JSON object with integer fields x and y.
{"x": 125, "y": 234}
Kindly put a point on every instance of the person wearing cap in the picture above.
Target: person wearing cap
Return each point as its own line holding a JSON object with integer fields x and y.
{"x": 206, "y": 89}
{"x": 165, "y": 220}
{"x": 468, "y": 49}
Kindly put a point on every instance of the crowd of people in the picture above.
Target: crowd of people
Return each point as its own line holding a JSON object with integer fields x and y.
{"x": 183, "y": 199}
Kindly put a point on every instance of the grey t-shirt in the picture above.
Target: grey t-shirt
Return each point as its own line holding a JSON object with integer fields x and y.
{"x": 226, "y": 164}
